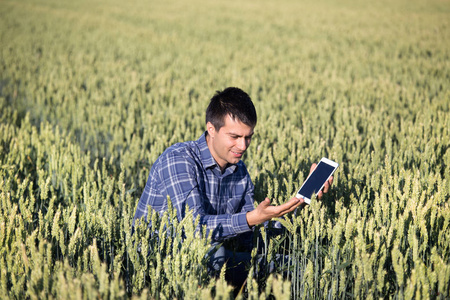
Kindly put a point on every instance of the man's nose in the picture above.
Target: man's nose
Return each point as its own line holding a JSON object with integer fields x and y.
{"x": 243, "y": 144}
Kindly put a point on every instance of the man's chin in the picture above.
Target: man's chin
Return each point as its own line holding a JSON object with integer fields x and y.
{"x": 234, "y": 160}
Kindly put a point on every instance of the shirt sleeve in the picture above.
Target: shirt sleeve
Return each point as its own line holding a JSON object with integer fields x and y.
{"x": 228, "y": 225}
{"x": 179, "y": 181}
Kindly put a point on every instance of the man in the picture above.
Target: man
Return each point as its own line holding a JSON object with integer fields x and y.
{"x": 209, "y": 176}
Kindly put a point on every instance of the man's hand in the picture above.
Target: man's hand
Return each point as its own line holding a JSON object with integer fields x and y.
{"x": 265, "y": 211}
{"x": 327, "y": 185}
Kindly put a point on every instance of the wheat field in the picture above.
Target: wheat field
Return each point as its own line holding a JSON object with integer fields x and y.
{"x": 92, "y": 92}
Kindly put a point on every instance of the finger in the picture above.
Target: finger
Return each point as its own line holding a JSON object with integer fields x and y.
{"x": 326, "y": 186}
{"x": 300, "y": 202}
{"x": 313, "y": 166}
{"x": 331, "y": 180}
{"x": 319, "y": 195}
{"x": 284, "y": 208}
{"x": 289, "y": 206}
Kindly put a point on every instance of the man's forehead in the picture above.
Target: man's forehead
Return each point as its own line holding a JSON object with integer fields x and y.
{"x": 236, "y": 126}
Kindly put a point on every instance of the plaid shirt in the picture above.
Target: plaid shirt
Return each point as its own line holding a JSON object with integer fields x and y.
{"x": 188, "y": 174}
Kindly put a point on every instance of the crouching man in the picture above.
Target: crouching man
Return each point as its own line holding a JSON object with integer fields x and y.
{"x": 209, "y": 176}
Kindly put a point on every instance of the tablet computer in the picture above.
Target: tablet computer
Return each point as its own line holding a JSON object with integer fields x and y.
{"x": 316, "y": 180}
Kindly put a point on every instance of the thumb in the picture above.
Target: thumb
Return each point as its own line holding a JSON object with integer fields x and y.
{"x": 266, "y": 202}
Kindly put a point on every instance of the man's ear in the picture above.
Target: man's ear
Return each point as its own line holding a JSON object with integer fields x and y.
{"x": 211, "y": 129}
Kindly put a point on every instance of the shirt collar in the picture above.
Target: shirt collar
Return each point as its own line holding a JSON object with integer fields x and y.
{"x": 208, "y": 160}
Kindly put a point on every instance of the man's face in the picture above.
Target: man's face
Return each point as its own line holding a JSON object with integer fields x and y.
{"x": 228, "y": 144}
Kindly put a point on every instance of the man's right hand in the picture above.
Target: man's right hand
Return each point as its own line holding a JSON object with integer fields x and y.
{"x": 265, "y": 212}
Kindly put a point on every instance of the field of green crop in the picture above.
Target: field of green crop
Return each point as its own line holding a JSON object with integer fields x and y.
{"x": 92, "y": 92}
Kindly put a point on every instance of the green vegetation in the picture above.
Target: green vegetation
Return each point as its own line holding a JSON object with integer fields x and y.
{"x": 92, "y": 92}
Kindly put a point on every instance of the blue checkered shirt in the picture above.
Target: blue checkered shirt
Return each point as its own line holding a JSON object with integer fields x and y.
{"x": 188, "y": 174}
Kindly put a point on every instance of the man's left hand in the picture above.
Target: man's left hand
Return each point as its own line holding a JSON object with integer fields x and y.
{"x": 327, "y": 185}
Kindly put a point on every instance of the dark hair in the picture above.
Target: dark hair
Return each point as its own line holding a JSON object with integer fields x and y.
{"x": 234, "y": 102}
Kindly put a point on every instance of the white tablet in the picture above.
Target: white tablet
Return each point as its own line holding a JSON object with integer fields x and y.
{"x": 316, "y": 180}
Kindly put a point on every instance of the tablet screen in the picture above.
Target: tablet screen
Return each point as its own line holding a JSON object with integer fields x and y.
{"x": 316, "y": 180}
